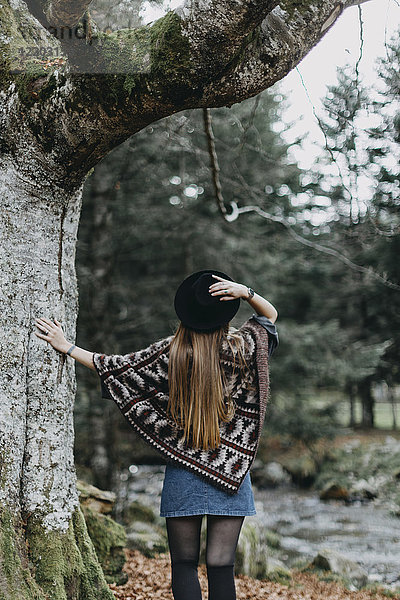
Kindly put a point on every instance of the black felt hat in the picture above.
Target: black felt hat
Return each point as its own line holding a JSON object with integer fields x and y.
{"x": 195, "y": 306}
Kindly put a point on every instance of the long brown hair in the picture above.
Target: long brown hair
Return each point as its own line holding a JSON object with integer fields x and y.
{"x": 197, "y": 383}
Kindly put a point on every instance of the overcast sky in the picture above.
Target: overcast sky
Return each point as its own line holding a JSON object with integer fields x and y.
{"x": 341, "y": 45}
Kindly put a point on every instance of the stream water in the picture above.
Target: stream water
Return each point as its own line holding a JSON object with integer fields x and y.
{"x": 362, "y": 532}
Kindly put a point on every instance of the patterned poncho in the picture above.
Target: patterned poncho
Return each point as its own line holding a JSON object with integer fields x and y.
{"x": 138, "y": 384}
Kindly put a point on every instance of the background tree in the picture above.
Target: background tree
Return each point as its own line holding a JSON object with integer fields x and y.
{"x": 356, "y": 162}
{"x": 384, "y": 214}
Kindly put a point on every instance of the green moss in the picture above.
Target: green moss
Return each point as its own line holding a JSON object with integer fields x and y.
{"x": 109, "y": 539}
{"x": 36, "y": 83}
{"x": 160, "y": 54}
{"x": 129, "y": 84}
{"x": 124, "y": 51}
{"x": 8, "y": 30}
{"x": 125, "y": 64}
{"x": 251, "y": 553}
{"x": 22, "y": 59}
{"x": 65, "y": 565}
{"x": 16, "y": 580}
{"x": 279, "y": 574}
{"x": 291, "y": 6}
{"x": 136, "y": 511}
{"x": 159, "y": 48}
{"x": 170, "y": 50}
{"x": 272, "y": 538}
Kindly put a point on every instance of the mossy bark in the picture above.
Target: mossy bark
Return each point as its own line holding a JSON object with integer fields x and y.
{"x": 16, "y": 580}
{"x": 40, "y": 565}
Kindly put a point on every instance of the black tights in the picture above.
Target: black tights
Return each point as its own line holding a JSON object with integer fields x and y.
{"x": 184, "y": 545}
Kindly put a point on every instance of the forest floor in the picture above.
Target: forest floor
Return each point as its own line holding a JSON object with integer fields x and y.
{"x": 150, "y": 578}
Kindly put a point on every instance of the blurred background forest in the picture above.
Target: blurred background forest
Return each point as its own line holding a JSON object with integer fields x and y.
{"x": 322, "y": 245}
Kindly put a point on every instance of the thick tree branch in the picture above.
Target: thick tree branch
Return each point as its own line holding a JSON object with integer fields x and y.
{"x": 216, "y": 29}
{"x": 134, "y": 77}
{"x": 281, "y": 42}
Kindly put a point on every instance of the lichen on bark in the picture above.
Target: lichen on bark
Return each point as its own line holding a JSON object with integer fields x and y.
{"x": 65, "y": 565}
{"x": 5, "y": 464}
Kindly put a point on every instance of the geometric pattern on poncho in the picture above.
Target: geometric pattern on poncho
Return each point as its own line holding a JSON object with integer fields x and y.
{"x": 138, "y": 384}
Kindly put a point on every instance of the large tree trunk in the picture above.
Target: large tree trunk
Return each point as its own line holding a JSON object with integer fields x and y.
{"x": 45, "y": 550}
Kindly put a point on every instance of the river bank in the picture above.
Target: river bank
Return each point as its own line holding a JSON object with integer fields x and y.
{"x": 339, "y": 523}
{"x": 149, "y": 579}
{"x": 356, "y": 466}
{"x": 291, "y": 529}
{"x": 297, "y": 517}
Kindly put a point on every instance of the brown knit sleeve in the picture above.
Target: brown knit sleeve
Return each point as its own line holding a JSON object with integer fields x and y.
{"x": 132, "y": 373}
{"x": 111, "y": 362}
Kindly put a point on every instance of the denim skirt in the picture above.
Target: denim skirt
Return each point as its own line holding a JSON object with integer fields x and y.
{"x": 185, "y": 493}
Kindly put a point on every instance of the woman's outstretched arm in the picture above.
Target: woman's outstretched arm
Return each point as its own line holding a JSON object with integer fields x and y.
{"x": 55, "y": 337}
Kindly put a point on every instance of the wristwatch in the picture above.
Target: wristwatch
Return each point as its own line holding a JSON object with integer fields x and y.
{"x": 251, "y": 292}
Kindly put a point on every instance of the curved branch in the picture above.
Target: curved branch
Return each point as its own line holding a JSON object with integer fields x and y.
{"x": 236, "y": 211}
{"x": 280, "y": 43}
{"x": 211, "y": 55}
{"x": 216, "y": 29}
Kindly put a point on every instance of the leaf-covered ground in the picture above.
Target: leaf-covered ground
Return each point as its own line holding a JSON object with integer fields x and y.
{"x": 150, "y": 578}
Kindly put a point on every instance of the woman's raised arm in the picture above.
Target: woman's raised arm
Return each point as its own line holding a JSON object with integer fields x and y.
{"x": 228, "y": 290}
{"x": 55, "y": 337}
{"x": 263, "y": 307}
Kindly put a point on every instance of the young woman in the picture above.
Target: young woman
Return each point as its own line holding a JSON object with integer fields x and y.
{"x": 198, "y": 397}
